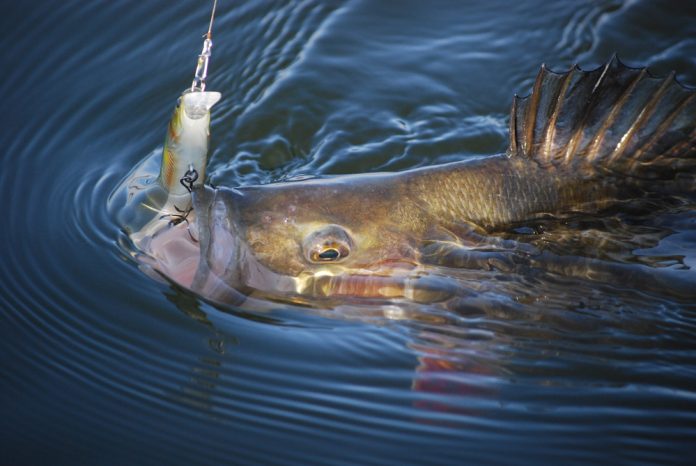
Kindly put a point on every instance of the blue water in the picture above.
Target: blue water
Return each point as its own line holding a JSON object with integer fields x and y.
{"x": 102, "y": 365}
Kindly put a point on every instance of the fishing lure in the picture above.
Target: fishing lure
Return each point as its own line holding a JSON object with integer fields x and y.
{"x": 184, "y": 158}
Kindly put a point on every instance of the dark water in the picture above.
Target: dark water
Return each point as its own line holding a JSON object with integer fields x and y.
{"x": 102, "y": 365}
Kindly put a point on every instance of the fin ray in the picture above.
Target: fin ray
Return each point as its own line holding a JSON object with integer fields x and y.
{"x": 614, "y": 118}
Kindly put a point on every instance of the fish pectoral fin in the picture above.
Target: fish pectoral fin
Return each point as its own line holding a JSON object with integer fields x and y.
{"x": 490, "y": 257}
{"x": 678, "y": 284}
{"x": 474, "y": 237}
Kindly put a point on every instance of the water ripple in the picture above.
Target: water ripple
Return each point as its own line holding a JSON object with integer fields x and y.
{"x": 102, "y": 362}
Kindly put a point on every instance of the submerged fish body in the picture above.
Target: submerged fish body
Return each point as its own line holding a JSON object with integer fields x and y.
{"x": 579, "y": 143}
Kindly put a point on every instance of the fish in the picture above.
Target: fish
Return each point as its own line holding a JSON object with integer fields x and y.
{"x": 581, "y": 142}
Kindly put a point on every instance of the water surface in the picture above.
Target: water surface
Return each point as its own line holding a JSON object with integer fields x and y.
{"x": 102, "y": 365}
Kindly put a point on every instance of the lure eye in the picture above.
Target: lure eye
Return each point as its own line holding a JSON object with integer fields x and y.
{"x": 178, "y": 102}
{"x": 330, "y": 244}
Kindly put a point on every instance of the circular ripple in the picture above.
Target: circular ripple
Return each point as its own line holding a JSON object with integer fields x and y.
{"x": 104, "y": 364}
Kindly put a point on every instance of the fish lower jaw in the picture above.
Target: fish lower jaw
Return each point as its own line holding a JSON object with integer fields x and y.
{"x": 171, "y": 250}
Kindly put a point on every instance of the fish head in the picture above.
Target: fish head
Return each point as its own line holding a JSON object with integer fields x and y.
{"x": 308, "y": 239}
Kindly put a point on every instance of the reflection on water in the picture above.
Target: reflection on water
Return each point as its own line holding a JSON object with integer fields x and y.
{"x": 103, "y": 365}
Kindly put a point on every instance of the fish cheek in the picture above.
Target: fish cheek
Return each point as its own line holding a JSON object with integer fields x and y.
{"x": 388, "y": 243}
{"x": 275, "y": 247}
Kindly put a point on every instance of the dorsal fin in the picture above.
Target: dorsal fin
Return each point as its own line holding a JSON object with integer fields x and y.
{"x": 614, "y": 118}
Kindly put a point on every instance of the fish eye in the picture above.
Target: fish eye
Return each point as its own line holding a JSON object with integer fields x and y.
{"x": 178, "y": 102}
{"x": 329, "y": 244}
{"x": 327, "y": 255}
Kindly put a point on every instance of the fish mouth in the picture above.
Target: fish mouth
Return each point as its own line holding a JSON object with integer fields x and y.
{"x": 171, "y": 251}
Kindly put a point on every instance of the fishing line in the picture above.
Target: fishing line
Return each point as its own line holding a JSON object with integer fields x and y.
{"x": 201, "y": 74}
{"x": 212, "y": 17}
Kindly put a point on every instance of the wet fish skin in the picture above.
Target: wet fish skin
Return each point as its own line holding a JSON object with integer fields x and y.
{"x": 500, "y": 190}
{"x": 387, "y": 218}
